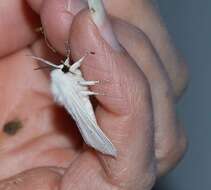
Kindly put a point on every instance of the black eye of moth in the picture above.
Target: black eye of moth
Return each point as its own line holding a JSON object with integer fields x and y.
{"x": 65, "y": 69}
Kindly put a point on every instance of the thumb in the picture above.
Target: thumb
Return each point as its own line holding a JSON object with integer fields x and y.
{"x": 124, "y": 113}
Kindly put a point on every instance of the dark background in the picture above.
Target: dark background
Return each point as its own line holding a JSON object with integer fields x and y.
{"x": 189, "y": 23}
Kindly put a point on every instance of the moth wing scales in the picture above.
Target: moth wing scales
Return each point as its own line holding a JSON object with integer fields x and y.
{"x": 65, "y": 91}
{"x": 92, "y": 134}
{"x": 87, "y": 124}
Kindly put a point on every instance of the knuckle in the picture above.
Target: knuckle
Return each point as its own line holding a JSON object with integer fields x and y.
{"x": 169, "y": 156}
{"x": 148, "y": 181}
{"x": 144, "y": 178}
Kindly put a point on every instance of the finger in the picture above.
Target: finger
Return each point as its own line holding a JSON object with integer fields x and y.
{"x": 142, "y": 14}
{"x": 170, "y": 140}
{"x": 17, "y": 23}
{"x": 124, "y": 113}
{"x": 40, "y": 178}
{"x": 56, "y": 17}
{"x": 35, "y": 5}
{"x": 145, "y": 16}
{"x": 73, "y": 6}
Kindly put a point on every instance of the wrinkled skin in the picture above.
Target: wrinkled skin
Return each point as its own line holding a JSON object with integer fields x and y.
{"x": 137, "y": 113}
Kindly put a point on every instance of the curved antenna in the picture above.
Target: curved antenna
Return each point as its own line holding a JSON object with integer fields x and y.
{"x": 46, "y": 62}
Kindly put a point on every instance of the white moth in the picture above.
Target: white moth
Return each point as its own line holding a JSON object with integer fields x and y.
{"x": 70, "y": 90}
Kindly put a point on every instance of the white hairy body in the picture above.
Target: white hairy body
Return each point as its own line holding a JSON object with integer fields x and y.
{"x": 70, "y": 90}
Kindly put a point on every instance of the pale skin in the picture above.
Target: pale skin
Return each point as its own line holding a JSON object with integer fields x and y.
{"x": 137, "y": 112}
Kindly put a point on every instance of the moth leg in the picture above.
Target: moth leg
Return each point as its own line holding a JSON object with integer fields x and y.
{"x": 88, "y": 83}
{"x": 77, "y": 72}
{"x": 89, "y": 93}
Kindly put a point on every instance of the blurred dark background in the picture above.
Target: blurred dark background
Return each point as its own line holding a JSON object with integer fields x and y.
{"x": 189, "y": 23}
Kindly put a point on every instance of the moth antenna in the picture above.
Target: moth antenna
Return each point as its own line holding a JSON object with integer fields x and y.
{"x": 44, "y": 67}
{"x": 67, "y": 48}
{"x": 87, "y": 54}
{"x": 42, "y": 31}
{"x": 49, "y": 45}
{"x": 46, "y": 62}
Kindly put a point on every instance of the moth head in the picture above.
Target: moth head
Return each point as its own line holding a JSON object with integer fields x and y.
{"x": 65, "y": 69}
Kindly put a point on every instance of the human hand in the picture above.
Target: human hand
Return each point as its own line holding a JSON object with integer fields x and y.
{"x": 140, "y": 106}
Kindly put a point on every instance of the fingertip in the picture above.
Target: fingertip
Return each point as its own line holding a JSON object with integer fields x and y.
{"x": 56, "y": 17}
{"x": 35, "y": 5}
{"x": 56, "y": 23}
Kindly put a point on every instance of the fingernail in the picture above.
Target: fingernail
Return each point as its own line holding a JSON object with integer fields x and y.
{"x": 74, "y": 6}
{"x": 100, "y": 18}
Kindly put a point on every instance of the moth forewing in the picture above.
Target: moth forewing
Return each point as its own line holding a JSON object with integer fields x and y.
{"x": 66, "y": 91}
